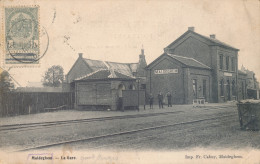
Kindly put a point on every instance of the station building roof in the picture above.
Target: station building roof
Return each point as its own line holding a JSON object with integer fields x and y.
{"x": 102, "y": 74}
{"x": 210, "y": 41}
{"x": 189, "y": 61}
{"x": 186, "y": 61}
{"x": 125, "y": 68}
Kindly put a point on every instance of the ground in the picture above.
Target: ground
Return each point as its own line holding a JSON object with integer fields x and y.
{"x": 213, "y": 127}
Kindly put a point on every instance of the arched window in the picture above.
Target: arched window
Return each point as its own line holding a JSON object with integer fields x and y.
{"x": 131, "y": 87}
{"x": 121, "y": 87}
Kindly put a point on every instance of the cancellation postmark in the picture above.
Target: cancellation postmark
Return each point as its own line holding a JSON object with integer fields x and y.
{"x": 21, "y": 29}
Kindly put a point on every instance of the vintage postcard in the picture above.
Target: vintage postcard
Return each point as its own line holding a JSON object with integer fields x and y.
{"x": 111, "y": 82}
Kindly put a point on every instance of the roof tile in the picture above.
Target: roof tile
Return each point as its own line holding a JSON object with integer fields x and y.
{"x": 189, "y": 61}
{"x": 105, "y": 74}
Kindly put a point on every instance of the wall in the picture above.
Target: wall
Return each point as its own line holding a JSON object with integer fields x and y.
{"x": 80, "y": 69}
{"x": 93, "y": 93}
{"x": 198, "y": 48}
{"x": 226, "y": 74}
{"x": 194, "y": 48}
{"x": 172, "y": 82}
{"x": 199, "y": 75}
{"x": 201, "y": 49}
{"x": 214, "y": 73}
{"x": 101, "y": 93}
{"x": 18, "y": 103}
{"x": 242, "y": 91}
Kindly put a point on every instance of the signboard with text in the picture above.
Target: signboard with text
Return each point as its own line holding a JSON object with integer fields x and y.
{"x": 165, "y": 71}
{"x": 228, "y": 74}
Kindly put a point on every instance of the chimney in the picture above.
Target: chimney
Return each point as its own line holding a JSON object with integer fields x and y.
{"x": 142, "y": 51}
{"x": 80, "y": 55}
{"x": 142, "y": 56}
{"x": 213, "y": 36}
{"x": 191, "y": 28}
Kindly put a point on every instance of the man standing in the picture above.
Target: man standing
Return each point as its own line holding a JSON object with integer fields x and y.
{"x": 151, "y": 100}
{"x": 169, "y": 97}
{"x": 160, "y": 99}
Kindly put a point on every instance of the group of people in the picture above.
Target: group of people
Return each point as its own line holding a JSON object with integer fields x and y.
{"x": 160, "y": 99}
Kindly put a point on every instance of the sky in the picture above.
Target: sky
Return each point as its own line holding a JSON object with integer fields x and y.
{"x": 116, "y": 30}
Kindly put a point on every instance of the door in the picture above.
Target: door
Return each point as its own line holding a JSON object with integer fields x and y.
{"x": 228, "y": 91}
{"x": 204, "y": 86}
{"x": 194, "y": 88}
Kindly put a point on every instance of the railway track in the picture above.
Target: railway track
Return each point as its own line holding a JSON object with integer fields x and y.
{"x": 123, "y": 133}
{"x": 143, "y": 139}
{"x": 46, "y": 124}
{"x": 53, "y": 123}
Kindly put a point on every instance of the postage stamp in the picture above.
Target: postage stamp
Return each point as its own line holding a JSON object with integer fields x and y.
{"x": 21, "y": 35}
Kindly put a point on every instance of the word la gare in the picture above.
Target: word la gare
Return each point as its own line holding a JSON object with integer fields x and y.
{"x": 67, "y": 158}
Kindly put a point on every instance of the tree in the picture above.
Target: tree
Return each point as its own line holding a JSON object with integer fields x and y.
{"x": 53, "y": 76}
{"x": 6, "y": 84}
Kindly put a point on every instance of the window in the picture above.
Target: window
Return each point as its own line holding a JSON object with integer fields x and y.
{"x": 221, "y": 83}
{"x": 232, "y": 64}
{"x": 227, "y": 63}
{"x": 121, "y": 87}
{"x": 233, "y": 88}
{"x": 131, "y": 87}
{"x": 143, "y": 86}
{"x": 204, "y": 88}
{"x": 220, "y": 61}
{"x": 194, "y": 87}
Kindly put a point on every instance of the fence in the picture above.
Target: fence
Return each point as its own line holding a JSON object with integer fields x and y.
{"x": 18, "y": 103}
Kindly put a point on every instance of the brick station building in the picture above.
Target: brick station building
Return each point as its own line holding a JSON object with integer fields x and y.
{"x": 180, "y": 76}
{"x": 195, "y": 66}
{"x": 192, "y": 67}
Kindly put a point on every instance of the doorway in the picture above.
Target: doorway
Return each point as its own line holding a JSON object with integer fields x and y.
{"x": 120, "y": 105}
{"x": 204, "y": 91}
{"x": 194, "y": 88}
{"x": 228, "y": 91}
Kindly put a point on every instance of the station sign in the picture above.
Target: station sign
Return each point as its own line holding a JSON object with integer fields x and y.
{"x": 228, "y": 74}
{"x": 165, "y": 71}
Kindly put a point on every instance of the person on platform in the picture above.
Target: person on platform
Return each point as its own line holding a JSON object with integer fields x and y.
{"x": 160, "y": 99}
{"x": 151, "y": 100}
{"x": 169, "y": 98}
